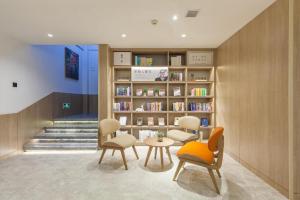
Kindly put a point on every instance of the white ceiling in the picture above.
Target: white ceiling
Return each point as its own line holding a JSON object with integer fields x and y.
{"x": 103, "y": 21}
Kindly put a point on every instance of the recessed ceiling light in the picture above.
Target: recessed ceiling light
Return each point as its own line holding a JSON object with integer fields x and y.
{"x": 183, "y": 35}
{"x": 123, "y": 35}
{"x": 50, "y": 35}
{"x": 175, "y": 17}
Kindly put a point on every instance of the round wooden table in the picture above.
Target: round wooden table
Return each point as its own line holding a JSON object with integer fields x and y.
{"x": 152, "y": 142}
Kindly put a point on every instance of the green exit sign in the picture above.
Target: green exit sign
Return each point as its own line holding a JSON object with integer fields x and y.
{"x": 66, "y": 106}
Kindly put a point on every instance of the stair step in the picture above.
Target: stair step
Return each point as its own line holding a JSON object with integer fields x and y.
{"x": 74, "y": 125}
{"x": 70, "y": 129}
{"x": 60, "y": 146}
{"x": 64, "y": 140}
{"x": 58, "y": 135}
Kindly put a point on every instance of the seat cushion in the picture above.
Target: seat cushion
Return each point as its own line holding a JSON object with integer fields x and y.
{"x": 123, "y": 141}
{"x": 196, "y": 151}
{"x": 181, "y": 136}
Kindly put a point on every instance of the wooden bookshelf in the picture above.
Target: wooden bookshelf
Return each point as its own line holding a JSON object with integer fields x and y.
{"x": 161, "y": 58}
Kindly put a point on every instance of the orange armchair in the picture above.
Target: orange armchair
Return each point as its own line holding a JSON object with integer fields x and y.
{"x": 209, "y": 155}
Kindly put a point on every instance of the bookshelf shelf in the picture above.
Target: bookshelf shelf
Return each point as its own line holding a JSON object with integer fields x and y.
{"x": 184, "y": 78}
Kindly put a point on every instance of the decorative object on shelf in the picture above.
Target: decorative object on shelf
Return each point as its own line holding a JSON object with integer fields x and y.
{"x": 71, "y": 64}
{"x": 176, "y": 60}
{"x": 204, "y": 122}
{"x": 123, "y": 120}
{"x": 122, "y": 58}
{"x": 156, "y": 92}
{"x": 198, "y": 58}
{"x": 176, "y": 91}
{"x": 178, "y": 106}
{"x": 150, "y": 121}
{"x": 122, "y": 106}
{"x": 150, "y": 92}
{"x": 203, "y": 107}
{"x": 123, "y": 91}
{"x": 176, "y": 121}
{"x": 161, "y": 121}
{"x": 162, "y": 92}
{"x": 139, "y": 121}
{"x": 149, "y": 73}
{"x": 145, "y": 91}
{"x": 140, "y": 109}
{"x": 139, "y": 92}
{"x": 199, "y": 92}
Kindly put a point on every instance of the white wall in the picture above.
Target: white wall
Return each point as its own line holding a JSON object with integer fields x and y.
{"x": 38, "y": 70}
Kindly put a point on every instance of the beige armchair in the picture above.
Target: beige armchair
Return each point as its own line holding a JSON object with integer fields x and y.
{"x": 186, "y": 122}
{"x": 109, "y": 127}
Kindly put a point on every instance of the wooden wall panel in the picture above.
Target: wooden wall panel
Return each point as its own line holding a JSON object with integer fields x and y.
{"x": 93, "y": 104}
{"x": 8, "y": 134}
{"x": 296, "y": 100}
{"x": 252, "y": 90}
{"x": 76, "y": 101}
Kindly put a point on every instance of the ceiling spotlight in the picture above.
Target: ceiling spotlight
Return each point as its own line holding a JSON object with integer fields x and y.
{"x": 175, "y": 17}
{"x": 123, "y": 35}
{"x": 183, "y": 35}
{"x": 50, "y": 35}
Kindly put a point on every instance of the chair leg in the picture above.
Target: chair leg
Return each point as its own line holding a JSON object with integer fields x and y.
{"x": 124, "y": 159}
{"x": 218, "y": 172}
{"x": 113, "y": 153}
{"x": 180, "y": 164}
{"x": 102, "y": 155}
{"x": 134, "y": 149}
{"x": 211, "y": 173}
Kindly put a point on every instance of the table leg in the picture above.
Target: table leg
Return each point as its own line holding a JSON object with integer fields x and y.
{"x": 148, "y": 155}
{"x": 155, "y": 153}
{"x": 161, "y": 157}
{"x": 169, "y": 155}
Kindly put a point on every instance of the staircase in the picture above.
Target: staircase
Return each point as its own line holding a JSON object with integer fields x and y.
{"x": 66, "y": 135}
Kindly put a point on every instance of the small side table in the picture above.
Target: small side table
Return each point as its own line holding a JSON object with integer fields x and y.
{"x": 152, "y": 142}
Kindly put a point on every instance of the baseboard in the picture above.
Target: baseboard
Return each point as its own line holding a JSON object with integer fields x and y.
{"x": 269, "y": 181}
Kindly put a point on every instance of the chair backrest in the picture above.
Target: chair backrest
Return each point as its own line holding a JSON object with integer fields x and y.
{"x": 189, "y": 122}
{"x": 216, "y": 144}
{"x": 109, "y": 126}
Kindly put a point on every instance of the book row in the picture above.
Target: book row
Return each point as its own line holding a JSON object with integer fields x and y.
{"x": 122, "y": 106}
{"x": 204, "y": 107}
{"x": 198, "y": 92}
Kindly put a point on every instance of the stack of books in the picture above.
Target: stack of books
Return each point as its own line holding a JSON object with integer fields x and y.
{"x": 198, "y": 92}
{"x": 176, "y": 76}
{"x": 175, "y": 60}
{"x": 204, "y": 107}
{"x": 123, "y": 91}
{"x": 178, "y": 106}
{"x": 143, "y": 61}
{"x": 122, "y": 106}
{"x": 154, "y": 106}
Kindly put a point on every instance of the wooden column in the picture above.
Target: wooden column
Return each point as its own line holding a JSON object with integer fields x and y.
{"x": 294, "y": 99}
{"x": 104, "y": 85}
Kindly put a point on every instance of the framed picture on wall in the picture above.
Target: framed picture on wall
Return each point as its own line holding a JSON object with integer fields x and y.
{"x": 71, "y": 64}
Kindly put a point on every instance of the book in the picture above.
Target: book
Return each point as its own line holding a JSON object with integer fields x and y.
{"x": 161, "y": 121}
{"x": 176, "y": 91}
{"x": 122, "y": 106}
{"x": 150, "y": 121}
{"x": 139, "y": 121}
{"x": 123, "y": 91}
{"x": 178, "y": 106}
{"x": 162, "y": 92}
{"x": 123, "y": 120}
{"x": 150, "y": 92}
{"x": 204, "y": 122}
